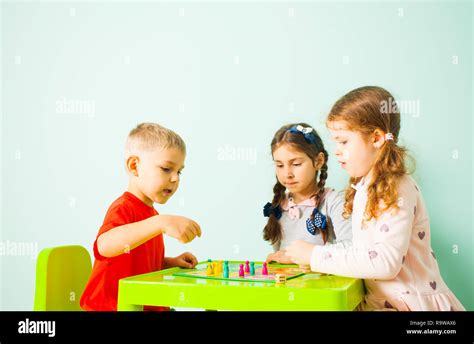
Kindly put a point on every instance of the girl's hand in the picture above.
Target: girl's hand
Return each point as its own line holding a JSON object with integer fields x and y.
{"x": 186, "y": 260}
{"x": 300, "y": 252}
{"x": 279, "y": 257}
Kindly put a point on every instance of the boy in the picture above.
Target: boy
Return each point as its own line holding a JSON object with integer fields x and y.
{"x": 130, "y": 241}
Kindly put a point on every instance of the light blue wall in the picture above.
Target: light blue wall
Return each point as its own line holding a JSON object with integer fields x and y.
{"x": 225, "y": 76}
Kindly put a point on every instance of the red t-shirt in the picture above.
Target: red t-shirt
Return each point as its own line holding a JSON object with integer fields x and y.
{"x": 101, "y": 291}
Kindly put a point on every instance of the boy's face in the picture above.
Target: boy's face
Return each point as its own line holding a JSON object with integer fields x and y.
{"x": 355, "y": 153}
{"x": 157, "y": 174}
{"x": 294, "y": 169}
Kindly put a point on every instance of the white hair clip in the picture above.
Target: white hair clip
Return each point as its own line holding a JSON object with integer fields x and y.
{"x": 389, "y": 136}
{"x": 303, "y": 129}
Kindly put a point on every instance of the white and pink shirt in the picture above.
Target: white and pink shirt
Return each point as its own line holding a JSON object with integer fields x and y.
{"x": 392, "y": 254}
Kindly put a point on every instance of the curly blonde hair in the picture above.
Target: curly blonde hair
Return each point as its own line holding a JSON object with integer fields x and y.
{"x": 364, "y": 110}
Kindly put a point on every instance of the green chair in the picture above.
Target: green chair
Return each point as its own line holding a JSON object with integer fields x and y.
{"x": 61, "y": 276}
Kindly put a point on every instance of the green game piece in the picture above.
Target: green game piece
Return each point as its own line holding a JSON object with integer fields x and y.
{"x": 226, "y": 271}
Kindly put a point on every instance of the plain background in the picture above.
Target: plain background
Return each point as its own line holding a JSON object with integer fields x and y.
{"x": 76, "y": 77}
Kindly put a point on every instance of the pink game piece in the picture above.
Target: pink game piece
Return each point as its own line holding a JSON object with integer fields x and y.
{"x": 264, "y": 269}
{"x": 241, "y": 270}
{"x": 247, "y": 267}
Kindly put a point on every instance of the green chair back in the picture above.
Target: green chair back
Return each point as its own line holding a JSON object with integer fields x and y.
{"x": 61, "y": 276}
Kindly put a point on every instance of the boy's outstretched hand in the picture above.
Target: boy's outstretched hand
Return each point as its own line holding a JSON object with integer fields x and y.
{"x": 186, "y": 260}
{"x": 179, "y": 227}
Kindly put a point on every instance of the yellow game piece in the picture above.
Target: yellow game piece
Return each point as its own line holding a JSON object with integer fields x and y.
{"x": 214, "y": 269}
{"x": 209, "y": 271}
{"x": 221, "y": 266}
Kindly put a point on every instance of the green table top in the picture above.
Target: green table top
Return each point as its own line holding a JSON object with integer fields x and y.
{"x": 304, "y": 293}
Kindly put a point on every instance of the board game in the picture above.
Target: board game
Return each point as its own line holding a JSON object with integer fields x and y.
{"x": 240, "y": 271}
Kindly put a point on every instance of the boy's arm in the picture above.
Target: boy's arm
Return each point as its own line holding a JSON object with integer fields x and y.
{"x": 124, "y": 238}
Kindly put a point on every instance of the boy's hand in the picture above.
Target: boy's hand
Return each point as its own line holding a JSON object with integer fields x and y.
{"x": 180, "y": 227}
{"x": 300, "y": 252}
{"x": 279, "y": 257}
{"x": 186, "y": 260}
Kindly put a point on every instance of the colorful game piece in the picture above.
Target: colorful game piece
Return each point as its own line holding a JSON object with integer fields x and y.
{"x": 209, "y": 269}
{"x": 241, "y": 270}
{"x": 280, "y": 279}
{"x": 226, "y": 270}
{"x": 264, "y": 269}
{"x": 252, "y": 268}
{"x": 221, "y": 267}
{"x": 247, "y": 268}
{"x": 226, "y": 265}
{"x": 259, "y": 271}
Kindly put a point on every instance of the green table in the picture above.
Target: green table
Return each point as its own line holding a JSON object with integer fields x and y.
{"x": 310, "y": 292}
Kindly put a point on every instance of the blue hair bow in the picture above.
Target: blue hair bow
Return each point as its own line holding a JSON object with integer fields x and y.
{"x": 319, "y": 222}
{"x": 268, "y": 210}
{"x": 299, "y": 129}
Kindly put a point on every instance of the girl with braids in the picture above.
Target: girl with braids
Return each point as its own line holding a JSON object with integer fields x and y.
{"x": 302, "y": 208}
{"x": 391, "y": 248}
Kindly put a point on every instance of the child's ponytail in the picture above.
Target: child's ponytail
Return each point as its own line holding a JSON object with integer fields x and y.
{"x": 388, "y": 170}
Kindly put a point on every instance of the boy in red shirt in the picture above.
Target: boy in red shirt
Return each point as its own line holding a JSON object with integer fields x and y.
{"x": 130, "y": 241}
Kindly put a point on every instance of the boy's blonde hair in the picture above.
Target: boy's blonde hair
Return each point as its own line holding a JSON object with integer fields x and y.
{"x": 150, "y": 136}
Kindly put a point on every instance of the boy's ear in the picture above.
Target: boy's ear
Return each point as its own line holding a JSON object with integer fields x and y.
{"x": 132, "y": 165}
{"x": 378, "y": 138}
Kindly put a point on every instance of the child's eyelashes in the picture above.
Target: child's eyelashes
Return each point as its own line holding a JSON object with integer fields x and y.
{"x": 169, "y": 170}
{"x": 281, "y": 166}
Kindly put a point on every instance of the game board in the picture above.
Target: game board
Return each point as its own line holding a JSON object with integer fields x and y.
{"x": 289, "y": 272}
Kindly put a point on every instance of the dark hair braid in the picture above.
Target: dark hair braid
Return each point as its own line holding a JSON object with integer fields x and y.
{"x": 323, "y": 175}
{"x": 272, "y": 230}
